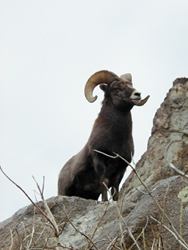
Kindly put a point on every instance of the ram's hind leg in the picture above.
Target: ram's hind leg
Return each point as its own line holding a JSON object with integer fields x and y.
{"x": 66, "y": 190}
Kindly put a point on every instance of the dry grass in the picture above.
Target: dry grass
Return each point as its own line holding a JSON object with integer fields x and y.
{"x": 32, "y": 236}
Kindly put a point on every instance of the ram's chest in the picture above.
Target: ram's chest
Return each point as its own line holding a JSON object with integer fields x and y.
{"x": 120, "y": 142}
{"x": 112, "y": 165}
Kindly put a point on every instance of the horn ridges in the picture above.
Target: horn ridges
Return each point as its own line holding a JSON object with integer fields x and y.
{"x": 142, "y": 102}
{"x": 103, "y": 76}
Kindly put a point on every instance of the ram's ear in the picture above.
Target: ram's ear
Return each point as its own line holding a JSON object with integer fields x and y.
{"x": 103, "y": 86}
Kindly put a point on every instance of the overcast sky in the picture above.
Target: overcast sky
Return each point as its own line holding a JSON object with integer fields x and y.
{"x": 48, "y": 51}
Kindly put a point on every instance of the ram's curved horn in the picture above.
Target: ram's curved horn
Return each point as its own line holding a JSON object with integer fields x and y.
{"x": 103, "y": 76}
{"x": 142, "y": 102}
{"x": 127, "y": 78}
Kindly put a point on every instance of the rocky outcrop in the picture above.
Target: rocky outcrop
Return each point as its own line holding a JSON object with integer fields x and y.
{"x": 141, "y": 218}
{"x": 170, "y": 124}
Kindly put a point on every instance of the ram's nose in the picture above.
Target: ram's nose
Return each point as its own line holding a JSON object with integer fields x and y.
{"x": 136, "y": 95}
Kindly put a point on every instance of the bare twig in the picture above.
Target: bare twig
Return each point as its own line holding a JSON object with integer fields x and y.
{"x": 43, "y": 183}
{"x": 12, "y": 239}
{"x": 32, "y": 232}
{"x": 100, "y": 220}
{"x": 102, "y": 153}
{"x": 37, "y": 207}
{"x": 142, "y": 233}
{"x": 23, "y": 225}
{"x": 40, "y": 235}
{"x": 79, "y": 231}
{"x": 112, "y": 244}
{"x": 144, "y": 240}
{"x": 149, "y": 192}
{"x": 20, "y": 241}
{"x": 164, "y": 209}
{"x": 180, "y": 240}
{"x": 181, "y": 216}
{"x": 59, "y": 245}
{"x": 49, "y": 213}
{"x": 120, "y": 216}
{"x": 130, "y": 233}
{"x": 171, "y": 164}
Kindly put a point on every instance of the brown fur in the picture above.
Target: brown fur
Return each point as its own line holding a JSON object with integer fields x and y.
{"x": 83, "y": 175}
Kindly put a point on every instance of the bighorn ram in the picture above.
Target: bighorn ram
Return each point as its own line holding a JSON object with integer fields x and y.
{"x": 84, "y": 174}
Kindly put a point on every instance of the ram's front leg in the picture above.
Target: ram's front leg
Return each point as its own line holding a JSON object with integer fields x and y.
{"x": 117, "y": 179}
{"x": 104, "y": 183}
{"x": 100, "y": 169}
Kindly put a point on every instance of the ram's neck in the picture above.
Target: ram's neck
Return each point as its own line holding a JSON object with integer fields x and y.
{"x": 112, "y": 132}
{"x": 111, "y": 117}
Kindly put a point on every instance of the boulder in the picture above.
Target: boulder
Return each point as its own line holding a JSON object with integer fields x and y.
{"x": 151, "y": 211}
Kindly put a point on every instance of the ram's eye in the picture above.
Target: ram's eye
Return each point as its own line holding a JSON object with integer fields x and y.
{"x": 117, "y": 89}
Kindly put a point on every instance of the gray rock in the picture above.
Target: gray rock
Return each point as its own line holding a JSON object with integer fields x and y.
{"x": 170, "y": 124}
